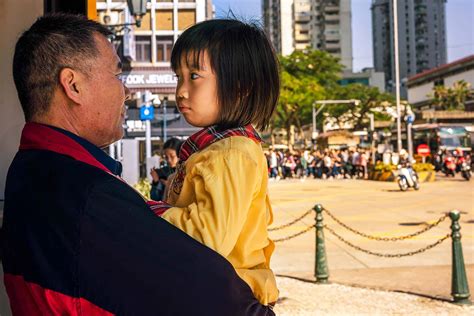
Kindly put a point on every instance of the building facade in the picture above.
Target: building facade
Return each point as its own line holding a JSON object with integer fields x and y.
{"x": 320, "y": 24}
{"x": 420, "y": 86}
{"x": 421, "y": 38}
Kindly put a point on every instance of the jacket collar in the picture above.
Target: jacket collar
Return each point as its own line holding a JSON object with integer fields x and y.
{"x": 211, "y": 134}
{"x": 44, "y": 137}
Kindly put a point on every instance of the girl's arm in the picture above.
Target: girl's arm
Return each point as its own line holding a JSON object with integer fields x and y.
{"x": 224, "y": 187}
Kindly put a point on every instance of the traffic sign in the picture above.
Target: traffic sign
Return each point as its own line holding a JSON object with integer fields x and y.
{"x": 423, "y": 150}
{"x": 147, "y": 113}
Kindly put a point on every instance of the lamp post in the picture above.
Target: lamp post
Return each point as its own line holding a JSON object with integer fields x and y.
{"x": 137, "y": 8}
{"x": 397, "y": 74}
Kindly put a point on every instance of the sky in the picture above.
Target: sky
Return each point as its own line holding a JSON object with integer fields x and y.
{"x": 459, "y": 16}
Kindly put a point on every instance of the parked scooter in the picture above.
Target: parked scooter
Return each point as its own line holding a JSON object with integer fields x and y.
{"x": 407, "y": 177}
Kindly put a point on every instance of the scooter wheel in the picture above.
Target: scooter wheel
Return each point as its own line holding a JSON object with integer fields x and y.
{"x": 402, "y": 183}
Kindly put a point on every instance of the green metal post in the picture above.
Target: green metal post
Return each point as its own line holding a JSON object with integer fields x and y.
{"x": 459, "y": 285}
{"x": 321, "y": 264}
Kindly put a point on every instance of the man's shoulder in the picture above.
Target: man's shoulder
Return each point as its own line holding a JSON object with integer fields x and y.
{"x": 38, "y": 170}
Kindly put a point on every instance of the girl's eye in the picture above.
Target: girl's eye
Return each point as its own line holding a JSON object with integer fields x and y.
{"x": 176, "y": 77}
{"x": 194, "y": 76}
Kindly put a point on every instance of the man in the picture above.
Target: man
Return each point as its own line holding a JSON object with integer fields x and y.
{"x": 77, "y": 240}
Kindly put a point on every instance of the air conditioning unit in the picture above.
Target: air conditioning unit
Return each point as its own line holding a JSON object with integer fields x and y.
{"x": 109, "y": 17}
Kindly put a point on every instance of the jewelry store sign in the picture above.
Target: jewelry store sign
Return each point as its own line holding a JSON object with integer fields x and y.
{"x": 149, "y": 79}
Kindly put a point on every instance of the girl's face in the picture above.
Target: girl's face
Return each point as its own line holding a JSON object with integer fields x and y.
{"x": 196, "y": 93}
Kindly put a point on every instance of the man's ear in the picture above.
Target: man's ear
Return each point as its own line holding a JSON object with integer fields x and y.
{"x": 71, "y": 82}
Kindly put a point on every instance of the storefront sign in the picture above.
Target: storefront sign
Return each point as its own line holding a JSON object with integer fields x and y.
{"x": 149, "y": 79}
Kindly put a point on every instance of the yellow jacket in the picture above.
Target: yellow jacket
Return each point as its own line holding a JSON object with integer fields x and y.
{"x": 223, "y": 203}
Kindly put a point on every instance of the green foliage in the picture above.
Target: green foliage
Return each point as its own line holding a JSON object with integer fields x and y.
{"x": 453, "y": 98}
{"x": 310, "y": 75}
{"x": 305, "y": 77}
{"x": 371, "y": 101}
{"x": 419, "y": 167}
{"x": 143, "y": 186}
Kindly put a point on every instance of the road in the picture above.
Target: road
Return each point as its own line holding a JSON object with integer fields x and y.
{"x": 380, "y": 209}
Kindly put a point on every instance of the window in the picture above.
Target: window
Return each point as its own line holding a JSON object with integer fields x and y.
{"x": 143, "y": 48}
{"x": 163, "y": 48}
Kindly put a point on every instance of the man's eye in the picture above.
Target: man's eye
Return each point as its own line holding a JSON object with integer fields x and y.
{"x": 194, "y": 76}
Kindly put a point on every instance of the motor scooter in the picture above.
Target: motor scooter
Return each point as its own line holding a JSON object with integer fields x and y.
{"x": 449, "y": 166}
{"x": 464, "y": 167}
{"x": 407, "y": 177}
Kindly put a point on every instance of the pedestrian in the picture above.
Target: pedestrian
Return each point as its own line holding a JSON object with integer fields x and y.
{"x": 227, "y": 80}
{"x": 160, "y": 176}
{"x": 77, "y": 239}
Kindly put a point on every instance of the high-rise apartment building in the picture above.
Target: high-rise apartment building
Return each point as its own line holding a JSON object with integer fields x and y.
{"x": 421, "y": 38}
{"x": 320, "y": 24}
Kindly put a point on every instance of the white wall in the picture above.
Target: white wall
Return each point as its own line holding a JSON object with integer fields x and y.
{"x": 15, "y": 17}
{"x": 420, "y": 93}
{"x": 286, "y": 13}
{"x": 467, "y": 76}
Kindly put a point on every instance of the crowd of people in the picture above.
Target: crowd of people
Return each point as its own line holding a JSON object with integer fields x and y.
{"x": 321, "y": 164}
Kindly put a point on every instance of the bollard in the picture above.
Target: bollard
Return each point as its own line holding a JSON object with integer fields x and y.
{"x": 321, "y": 265}
{"x": 459, "y": 285}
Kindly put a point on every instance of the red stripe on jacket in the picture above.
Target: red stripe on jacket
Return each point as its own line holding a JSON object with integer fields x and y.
{"x": 30, "y": 299}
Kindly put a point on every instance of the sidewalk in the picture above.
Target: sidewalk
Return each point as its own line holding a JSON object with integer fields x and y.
{"x": 299, "y": 298}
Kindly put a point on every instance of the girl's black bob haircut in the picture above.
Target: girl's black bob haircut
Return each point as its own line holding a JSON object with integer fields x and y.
{"x": 245, "y": 64}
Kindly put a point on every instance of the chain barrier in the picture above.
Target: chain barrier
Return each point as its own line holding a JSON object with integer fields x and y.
{"x": 307, "y": 229}
{"x": 290, "y": 223}
{"x": 427, "y": 228}
{"x": 398, "y": 255}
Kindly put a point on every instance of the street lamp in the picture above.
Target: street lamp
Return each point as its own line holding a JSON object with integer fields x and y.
{"x": 397, "y": 74}
{"x": 137, "y": 8}
{"x": 323, "y": 104}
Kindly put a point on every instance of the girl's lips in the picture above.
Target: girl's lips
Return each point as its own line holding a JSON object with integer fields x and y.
{"x": 183, "y": 109}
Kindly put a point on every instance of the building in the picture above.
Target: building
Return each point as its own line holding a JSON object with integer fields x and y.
{"x": 421, "y": 37}
{"x": 420, "y": 89}
{"x": 320, "y": 24}
{"x": 368, "y": 77}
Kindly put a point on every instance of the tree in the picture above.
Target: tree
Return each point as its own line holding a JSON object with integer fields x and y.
{"x": 453, "y": 98}
{"x": 305, "y": 77}
{"x": 371, "y": 101}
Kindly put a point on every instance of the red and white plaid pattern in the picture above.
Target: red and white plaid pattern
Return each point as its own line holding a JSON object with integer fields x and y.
{"x": 212, "y": 134}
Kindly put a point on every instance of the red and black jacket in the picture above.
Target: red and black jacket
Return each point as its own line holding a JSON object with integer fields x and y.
{"x": 76, "y": 240}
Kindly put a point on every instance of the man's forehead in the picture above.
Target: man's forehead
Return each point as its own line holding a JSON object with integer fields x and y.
{"x": 107, "y": 50}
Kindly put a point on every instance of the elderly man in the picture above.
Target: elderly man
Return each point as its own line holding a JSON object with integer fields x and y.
{"x": 77, "y": 240}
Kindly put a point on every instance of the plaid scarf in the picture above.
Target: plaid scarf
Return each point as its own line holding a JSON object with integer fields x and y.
{"x": 198, "y": 142}
{"x": 212, "y": 134}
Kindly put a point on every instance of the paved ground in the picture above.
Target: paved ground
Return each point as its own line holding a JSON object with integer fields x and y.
{"x": 376, "y": 208}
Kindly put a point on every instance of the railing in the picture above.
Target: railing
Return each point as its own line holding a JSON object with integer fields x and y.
{"x": 459, "y": 284}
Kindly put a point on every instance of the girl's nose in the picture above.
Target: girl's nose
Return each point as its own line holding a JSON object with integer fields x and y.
{"x": 182, "y": 93}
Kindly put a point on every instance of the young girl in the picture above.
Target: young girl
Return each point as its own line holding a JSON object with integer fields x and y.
{"x": 227, "y": 81}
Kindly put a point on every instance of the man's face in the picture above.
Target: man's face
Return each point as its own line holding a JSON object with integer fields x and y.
{"x": 105, "y": 109}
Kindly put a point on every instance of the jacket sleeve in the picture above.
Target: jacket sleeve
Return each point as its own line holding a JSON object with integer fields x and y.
{"x": 224, "y": 187}
{"x": 132, "y": 262}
